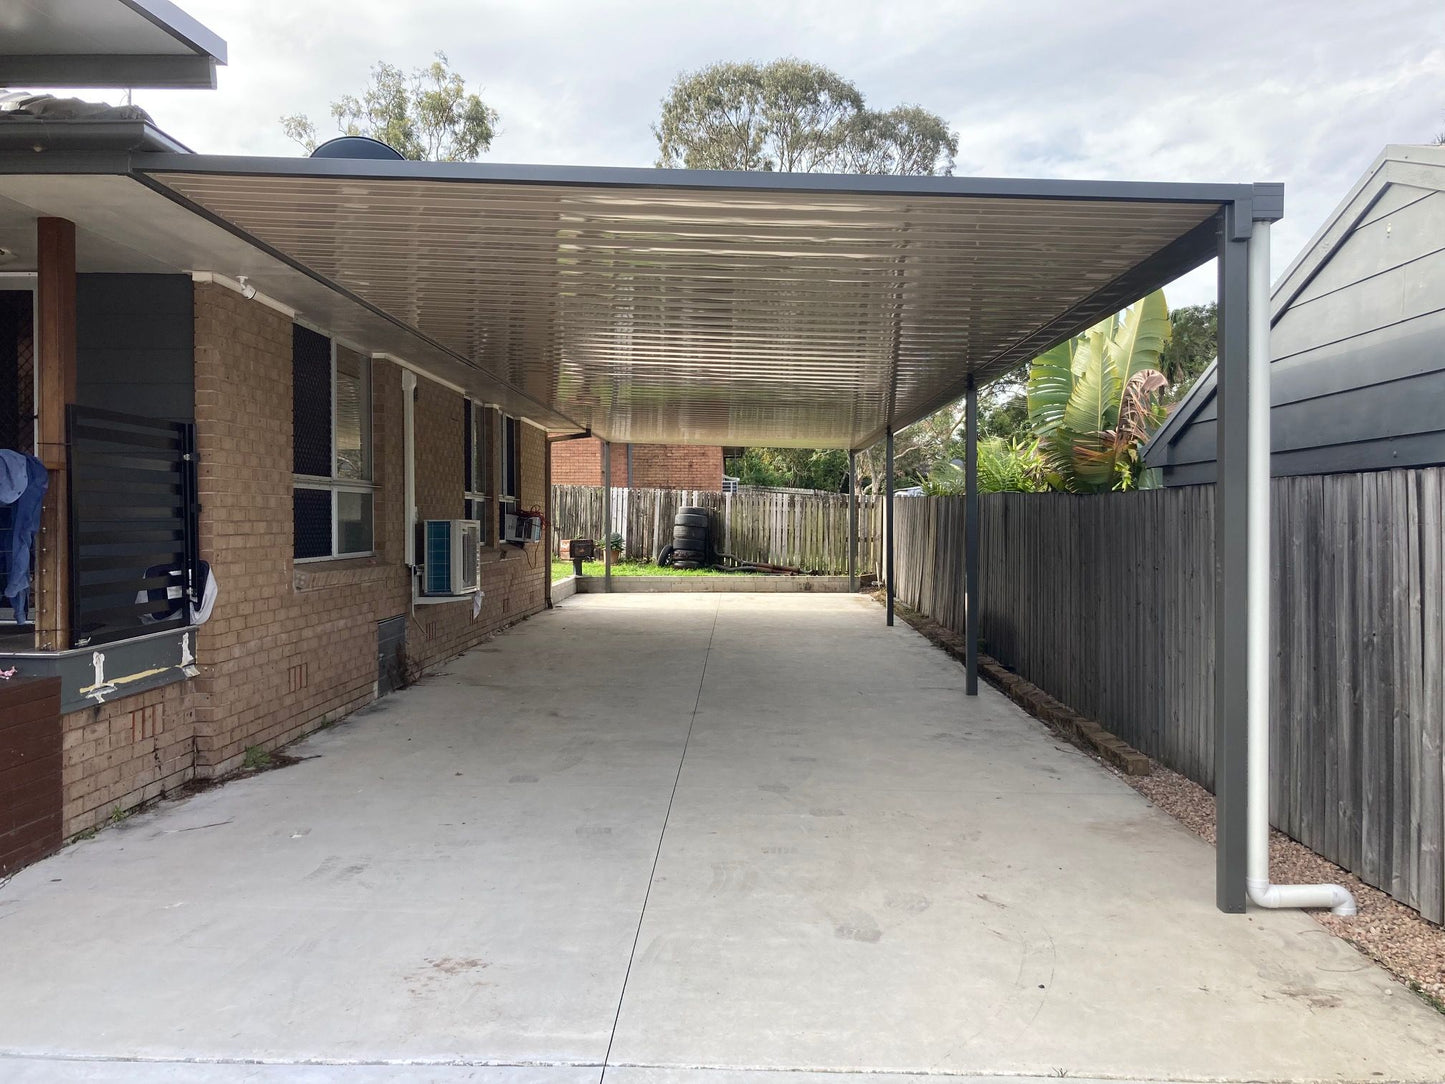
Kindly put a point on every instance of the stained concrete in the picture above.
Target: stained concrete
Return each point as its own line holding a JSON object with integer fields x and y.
{"x": 713, "y": 838}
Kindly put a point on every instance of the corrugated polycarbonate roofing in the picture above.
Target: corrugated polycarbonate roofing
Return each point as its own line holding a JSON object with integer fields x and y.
{"x": 812, "y": 314}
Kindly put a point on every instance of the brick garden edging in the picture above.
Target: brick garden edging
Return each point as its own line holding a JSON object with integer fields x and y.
{"x": 1056, "y": 715}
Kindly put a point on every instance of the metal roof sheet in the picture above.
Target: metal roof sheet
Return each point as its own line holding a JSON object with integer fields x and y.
{"x": 734, "y": 309}
{"x": 105, "y": 43}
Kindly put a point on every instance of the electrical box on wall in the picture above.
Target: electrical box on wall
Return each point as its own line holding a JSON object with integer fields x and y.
{"x": 451, "y": 553}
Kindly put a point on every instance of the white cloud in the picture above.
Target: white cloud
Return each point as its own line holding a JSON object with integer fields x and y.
{"x": 1301, "y": 92}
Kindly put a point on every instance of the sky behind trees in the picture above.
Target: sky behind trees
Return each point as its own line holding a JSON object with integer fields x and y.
{"x": 1301, "y": 92}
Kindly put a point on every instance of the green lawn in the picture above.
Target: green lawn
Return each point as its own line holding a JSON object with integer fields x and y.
{"x": 562, "y": 569}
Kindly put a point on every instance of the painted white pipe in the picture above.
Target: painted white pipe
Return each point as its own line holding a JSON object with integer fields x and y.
{"x": 1263, "y": 894}
{"x": 408, "y": 440}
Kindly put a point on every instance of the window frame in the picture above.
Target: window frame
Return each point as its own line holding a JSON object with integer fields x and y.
{"x": 479, "y": 461}
{"x": 334, "y": 484}
{"x": 509, "y": 474}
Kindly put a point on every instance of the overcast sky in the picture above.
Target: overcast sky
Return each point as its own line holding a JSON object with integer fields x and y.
{"x": 1203, "y": 90}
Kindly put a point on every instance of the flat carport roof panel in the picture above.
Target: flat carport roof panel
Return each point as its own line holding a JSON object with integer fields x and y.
{"x": 105, "y": 43}
{"x": 728, "y": 314}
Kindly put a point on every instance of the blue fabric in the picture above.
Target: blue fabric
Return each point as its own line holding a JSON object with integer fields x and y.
{"x": 13, "y": 476}
{"x": 24, "y": 523}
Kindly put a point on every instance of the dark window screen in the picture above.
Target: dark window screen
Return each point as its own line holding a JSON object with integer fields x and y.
{"x": 312, "y": 511}
{"x": 467, "y": 438}
{"x": 310, "y": 409}
{"x": 511, "y": 433}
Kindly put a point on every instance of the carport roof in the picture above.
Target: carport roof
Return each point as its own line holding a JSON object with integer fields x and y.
{"x": 663, "y": 306}
{"x": 105, "y": 43}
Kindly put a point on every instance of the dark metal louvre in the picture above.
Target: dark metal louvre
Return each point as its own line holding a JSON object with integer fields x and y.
{"x": 133, "y": 510}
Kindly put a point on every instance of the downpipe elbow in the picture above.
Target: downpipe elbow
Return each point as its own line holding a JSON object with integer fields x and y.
{"x": 1336, "y": 897}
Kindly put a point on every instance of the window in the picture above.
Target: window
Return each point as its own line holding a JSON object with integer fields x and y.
{"x": 333, "y": 494}
{"x": 477, "y": 449}
{"x": 511, "y": 439}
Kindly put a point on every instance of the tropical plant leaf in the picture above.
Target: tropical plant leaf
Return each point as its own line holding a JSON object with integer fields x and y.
{"x": 1051, "y": 381}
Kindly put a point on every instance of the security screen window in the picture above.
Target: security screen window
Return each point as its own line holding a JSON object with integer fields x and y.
{"x": 331, "y": 426}
{"x": 477, "y": 434}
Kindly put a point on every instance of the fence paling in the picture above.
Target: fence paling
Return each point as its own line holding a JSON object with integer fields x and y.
{"x": 1107, "y": 602}
{"x": 798, "y": 529}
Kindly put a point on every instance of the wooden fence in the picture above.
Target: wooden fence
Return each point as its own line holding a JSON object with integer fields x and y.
{"x": 799, "y": 529}
{"x": 1107, "y": 602}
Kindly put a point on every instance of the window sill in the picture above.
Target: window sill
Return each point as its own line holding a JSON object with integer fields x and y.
{"x": 126, "y": 667}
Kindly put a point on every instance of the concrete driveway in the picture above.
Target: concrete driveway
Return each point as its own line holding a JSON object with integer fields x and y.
{"x": 678, "y": 838}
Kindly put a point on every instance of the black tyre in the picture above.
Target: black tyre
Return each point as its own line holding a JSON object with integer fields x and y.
{"x": 678, "y": 556}
{"x": 664, "y": 555}
{"x": 685, "y": 564}
{"x": 681, "y": 533}
{"x": 692, "y": 510}
{"x": 689, "y": 519}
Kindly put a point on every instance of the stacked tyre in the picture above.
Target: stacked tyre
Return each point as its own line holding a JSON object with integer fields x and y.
{"x": 689, "y": 538}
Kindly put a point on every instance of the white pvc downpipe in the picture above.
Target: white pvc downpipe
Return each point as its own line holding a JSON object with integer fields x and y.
{"x": 1336, "y": 897}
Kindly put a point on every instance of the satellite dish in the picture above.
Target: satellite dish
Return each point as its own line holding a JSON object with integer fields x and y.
{"x": 357, "y": 147}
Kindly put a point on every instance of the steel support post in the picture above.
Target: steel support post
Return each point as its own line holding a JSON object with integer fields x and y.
{"x": 852, "y": 520}
{"x": 888, "y": 524}
{"x": 606, "y": 517}
{"x": 970, "y": 537}
{"x": 1232, "y": 646}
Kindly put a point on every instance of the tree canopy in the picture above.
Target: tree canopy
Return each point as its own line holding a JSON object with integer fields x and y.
{"x": 425, "y": 114}
{"x": 794, "y": 117}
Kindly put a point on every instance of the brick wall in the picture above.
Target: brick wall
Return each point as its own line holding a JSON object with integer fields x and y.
{"x": 654, "y": 466}
{"x": 289, "y": 647}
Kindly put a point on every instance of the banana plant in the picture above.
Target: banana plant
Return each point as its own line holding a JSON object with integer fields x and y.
{"x": 1094, "y": 399}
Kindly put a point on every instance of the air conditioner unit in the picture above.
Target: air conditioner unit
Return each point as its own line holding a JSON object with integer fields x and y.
{"x": 521, "y": 528}
{"x": 451, "y": 556}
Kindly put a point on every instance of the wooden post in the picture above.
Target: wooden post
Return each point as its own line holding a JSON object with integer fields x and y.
{"x": 55, "y": 362}
{"x": 970, "y": 538}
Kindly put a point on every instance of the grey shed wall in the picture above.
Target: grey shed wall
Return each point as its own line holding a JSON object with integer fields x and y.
{"x": 1359, "y": 356}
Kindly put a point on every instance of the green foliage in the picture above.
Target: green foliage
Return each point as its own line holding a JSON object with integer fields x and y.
{"x": 1004, "y": 466}
{"x": 426, "y": 114}
{"x": 791, "y": 468}
{"x": 256, "y": 759}
{"x": 1094, "y": 399}
{"x": 1192, "y": 345}
{"x": 615, "y": 541}
{"x": 794, "y": 117}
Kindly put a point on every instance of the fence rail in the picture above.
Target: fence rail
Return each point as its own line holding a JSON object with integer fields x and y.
{"x": 1107, "y": 602}
{"x": 800, "y": 529}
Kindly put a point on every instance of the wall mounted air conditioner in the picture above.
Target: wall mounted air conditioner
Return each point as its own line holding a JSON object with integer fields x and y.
{"x": 451, "y": 552}
{"x": 521, "y": 528}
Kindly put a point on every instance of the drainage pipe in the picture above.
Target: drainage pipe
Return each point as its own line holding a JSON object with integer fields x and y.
{"x": 1263, "y": 894}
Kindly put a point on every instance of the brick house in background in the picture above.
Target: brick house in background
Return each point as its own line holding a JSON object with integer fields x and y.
{"x": 639, "y": 466}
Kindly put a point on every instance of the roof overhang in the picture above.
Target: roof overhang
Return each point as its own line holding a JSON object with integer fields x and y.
{"x": 105, "y": 43}
{"x": 661, "y": 306}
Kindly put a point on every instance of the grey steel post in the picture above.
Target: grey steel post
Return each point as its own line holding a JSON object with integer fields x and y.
{"x": 852, "y": 520}
{"x": 606, "y": 517}
{"x": 970, "y": 536}
{"x": 888, "y": 524}
{"x": 1231, "y": 566}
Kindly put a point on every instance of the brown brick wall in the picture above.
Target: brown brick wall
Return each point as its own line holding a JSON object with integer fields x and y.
{"x": 289, "y": 647}
{"x": 654, "y": 466}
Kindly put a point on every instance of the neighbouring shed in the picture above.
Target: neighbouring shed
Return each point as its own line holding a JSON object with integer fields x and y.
{"x": 1358, "y": 339}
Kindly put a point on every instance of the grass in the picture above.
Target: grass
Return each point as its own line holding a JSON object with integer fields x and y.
{"x": 256, "y": 759}
{"x": 562, "y": 569}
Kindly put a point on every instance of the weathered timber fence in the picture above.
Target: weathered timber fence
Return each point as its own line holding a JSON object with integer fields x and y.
{"x": 1107, "y": 602}
{"x": 802, "y": 530}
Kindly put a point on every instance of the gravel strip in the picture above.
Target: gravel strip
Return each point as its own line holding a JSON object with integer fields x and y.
{"x": 1399, "y": 938}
